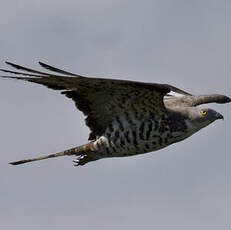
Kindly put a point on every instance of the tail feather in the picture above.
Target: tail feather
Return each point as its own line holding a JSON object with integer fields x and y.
{"x": 80, "y": 150}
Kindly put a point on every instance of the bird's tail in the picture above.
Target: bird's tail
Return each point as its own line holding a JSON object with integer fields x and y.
{"x": 83, "y": 149}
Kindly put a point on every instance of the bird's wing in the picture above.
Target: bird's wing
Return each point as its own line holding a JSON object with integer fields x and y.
{"x": 195, "y": 100}
{"x": 100, "y": 99}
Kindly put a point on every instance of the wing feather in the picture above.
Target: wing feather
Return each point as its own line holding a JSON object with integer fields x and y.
{"x": 100, "y": 99}
{"x": 19, "y": 67}
{"x": 54, "y": 69}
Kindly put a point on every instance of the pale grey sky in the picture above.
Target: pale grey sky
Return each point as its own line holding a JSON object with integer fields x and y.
{"x": 183, "y": 43}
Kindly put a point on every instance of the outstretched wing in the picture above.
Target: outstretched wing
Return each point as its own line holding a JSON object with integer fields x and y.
{"x": 195, "y": 100}
{"x": 99, "y": 99}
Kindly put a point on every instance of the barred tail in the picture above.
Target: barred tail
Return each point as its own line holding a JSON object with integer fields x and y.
{"x": 83, "y": 149}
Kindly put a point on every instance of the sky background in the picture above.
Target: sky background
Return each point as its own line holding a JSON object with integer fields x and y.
{"x": 183, "y": 43}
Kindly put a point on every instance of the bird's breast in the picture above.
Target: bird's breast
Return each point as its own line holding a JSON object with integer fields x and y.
{"x": 129, "y": 135}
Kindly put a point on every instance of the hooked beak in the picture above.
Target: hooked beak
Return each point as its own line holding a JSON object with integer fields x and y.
{"x": 219, "y": 116}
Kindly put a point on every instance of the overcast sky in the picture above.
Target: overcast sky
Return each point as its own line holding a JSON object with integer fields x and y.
{"x": 183, "y": 43}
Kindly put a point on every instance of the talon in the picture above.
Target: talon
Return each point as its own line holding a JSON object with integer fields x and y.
{"x": 76, "y": 162}
{"x": 81, "y": 160}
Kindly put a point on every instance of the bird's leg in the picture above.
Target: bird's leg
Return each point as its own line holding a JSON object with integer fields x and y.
{"x": 83, "y": 159}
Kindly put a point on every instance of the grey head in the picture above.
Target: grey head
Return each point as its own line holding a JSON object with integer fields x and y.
{"x": 196, "y": 117}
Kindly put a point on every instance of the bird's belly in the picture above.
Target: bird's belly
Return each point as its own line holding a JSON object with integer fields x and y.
{"x": 132, "y": 141}
{"x": 119, "y": 148}
{"x": 129, "y": 135}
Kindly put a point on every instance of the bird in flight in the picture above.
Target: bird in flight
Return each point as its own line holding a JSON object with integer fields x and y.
{"x": 125, "y": 117}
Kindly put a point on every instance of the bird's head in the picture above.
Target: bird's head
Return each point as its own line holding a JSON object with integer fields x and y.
{"x": 201, "y": 117}
{"x": 196, "y": 117}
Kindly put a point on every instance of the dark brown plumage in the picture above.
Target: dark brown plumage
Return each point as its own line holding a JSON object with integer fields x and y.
{"x": 125, "y": 117}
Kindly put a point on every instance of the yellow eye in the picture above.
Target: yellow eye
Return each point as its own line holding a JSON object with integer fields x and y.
{"x": 203, "y": 112}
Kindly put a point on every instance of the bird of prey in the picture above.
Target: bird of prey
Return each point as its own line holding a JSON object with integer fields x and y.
{"x": 125, "y": 117}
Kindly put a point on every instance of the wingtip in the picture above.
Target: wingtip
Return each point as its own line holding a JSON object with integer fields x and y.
{"x": 8, "y": 63}
{"x": 224, "y": 99}
{"x": 41, "y": 63}
{"x": 46, "y": 66}
{"x": 11, "y": 63}
{"x": 228, "y": 99}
